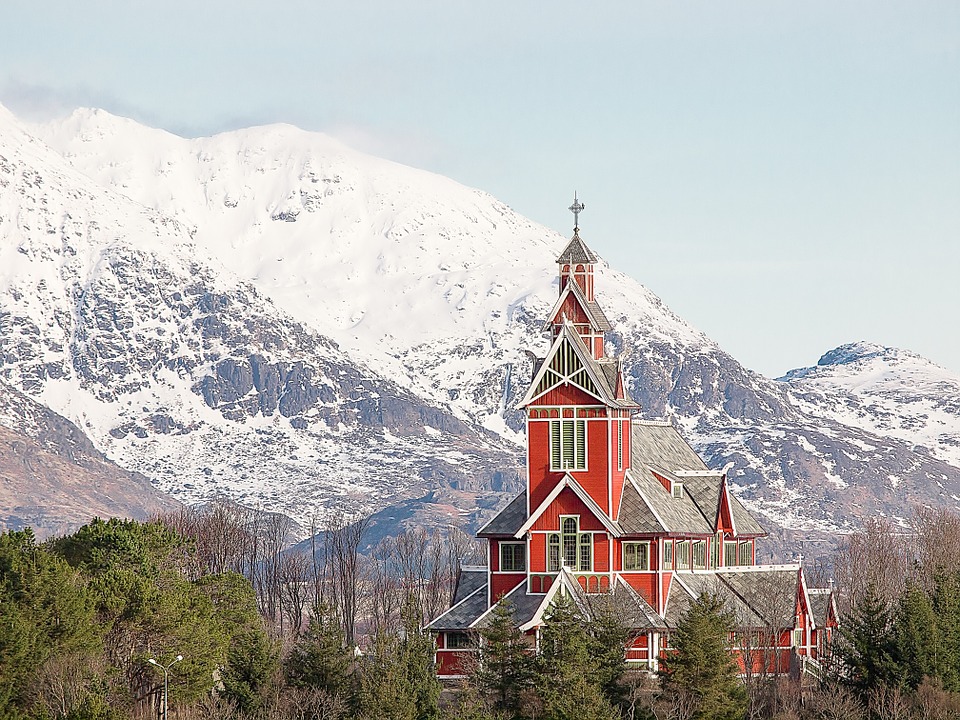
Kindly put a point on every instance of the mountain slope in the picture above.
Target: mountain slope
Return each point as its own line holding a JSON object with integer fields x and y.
{"x": 886, "y": 391}
{"x": 114, "y": 317}
{"x": 307, "y": 252}
{"x": 54, "y": 480}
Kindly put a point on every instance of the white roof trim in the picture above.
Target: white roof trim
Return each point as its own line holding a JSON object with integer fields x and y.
{"x": 643, "y": 497}
{"x": 569, "y": 482}
{"x": 802, "y": 582}
{"x": 486, "y": 612}
{"x": 571, "y": 287}
{"x": 537, "y": 618}
{"x": 725, "y": 489}
{"x": 571, "y": 335}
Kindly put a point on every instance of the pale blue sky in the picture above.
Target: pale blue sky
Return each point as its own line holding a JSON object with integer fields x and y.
{"x": 785, "y": 175}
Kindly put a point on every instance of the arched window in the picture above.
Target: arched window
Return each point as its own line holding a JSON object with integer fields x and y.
{"x": 553, "y": 552}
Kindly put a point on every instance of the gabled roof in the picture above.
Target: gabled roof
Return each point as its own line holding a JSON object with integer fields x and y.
{"x": 526, "y": 608}
{"x": 821, "y": 603}
{"x": 760, "y": 596}
{"x": 591, "y": 307}
{"x": 508, "y": 520}
{"x": 597, "y": 371}
{"x": 576, "y": 251}
{"x": 630, "y": 607}
{"x": 659, "y": 451}
{"x": 568, "y": 481}
{"x": 677, "y": 515}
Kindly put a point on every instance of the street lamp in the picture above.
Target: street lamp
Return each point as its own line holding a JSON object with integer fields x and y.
{"x": 166, "y": 670}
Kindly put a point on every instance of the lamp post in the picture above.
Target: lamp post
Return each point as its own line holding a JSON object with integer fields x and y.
{"x": 166, "y": 670}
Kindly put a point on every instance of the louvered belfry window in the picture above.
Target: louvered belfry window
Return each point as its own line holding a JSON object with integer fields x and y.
{"x": 568, "y": 445}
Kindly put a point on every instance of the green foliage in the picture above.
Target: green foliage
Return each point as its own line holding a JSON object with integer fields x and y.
{"x": 608, "y": 637}
{"x": 320, "y": 658}
{"x": 398, "y": 679}
{"x": 249, "y": 671}
{"x": 46, "y": 613}
{"x": 915, "y": 640}
{"x": 701, "y": 666}
{"x": 567, "y": 677}
{"x": 868, "y": 646}
{"x": 505, "y": 671}
{"x": 946, "y": 609}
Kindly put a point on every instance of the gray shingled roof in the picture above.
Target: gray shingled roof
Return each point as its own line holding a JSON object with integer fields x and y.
{"x": 524, "y": 606}
{"x": 745, "y": 522}
{"x": 508, "y": 520}
{"x": 660, "y": 444}
{"x": 462, "y": 615}
{"x": 636, "y": 516}
{"x": 676, "y": 515}
{"x": 576, "y": 251}
{"x": 469, "y": 580}
{"x": 820, "y": 604}
{"x": 759, "y": 597}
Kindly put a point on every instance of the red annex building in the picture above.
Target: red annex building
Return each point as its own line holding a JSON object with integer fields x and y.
{"x": 615, "y": 504}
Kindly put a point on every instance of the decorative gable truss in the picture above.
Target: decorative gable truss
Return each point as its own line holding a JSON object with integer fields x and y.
{"x": 567, "y": 363}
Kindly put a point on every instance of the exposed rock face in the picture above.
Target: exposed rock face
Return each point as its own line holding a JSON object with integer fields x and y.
{"x": 270, "y": 316}
{"x": 52, "y": 478}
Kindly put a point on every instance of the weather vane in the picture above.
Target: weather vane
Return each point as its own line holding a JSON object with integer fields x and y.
{"x": 576, "y": 209}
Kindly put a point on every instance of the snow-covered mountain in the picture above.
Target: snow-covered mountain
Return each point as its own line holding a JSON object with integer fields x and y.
{"x": 269, "y": 314}
{"x": 885, "y": 391}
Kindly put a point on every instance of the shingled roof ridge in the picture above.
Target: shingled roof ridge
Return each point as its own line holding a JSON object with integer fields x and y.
{"x": 576, "y": 251}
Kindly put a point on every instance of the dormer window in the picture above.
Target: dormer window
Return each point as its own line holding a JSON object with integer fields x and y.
{"x": 677, "y": 489}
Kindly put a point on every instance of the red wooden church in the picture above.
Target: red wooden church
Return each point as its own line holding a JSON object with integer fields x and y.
{"x": 622, "y": 507}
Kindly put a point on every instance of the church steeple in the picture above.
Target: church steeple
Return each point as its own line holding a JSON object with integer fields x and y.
{"x": 577, "y": 260}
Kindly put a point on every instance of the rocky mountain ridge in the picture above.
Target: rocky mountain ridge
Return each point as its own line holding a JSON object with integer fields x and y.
{"x": 235, "y": 353}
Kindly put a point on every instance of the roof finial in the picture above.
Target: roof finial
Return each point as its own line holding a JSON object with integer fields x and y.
{"x": 576, "y": 209}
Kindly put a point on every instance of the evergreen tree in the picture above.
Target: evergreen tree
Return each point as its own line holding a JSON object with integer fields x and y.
{"x": 946, "y": 609}
{"x": 915, "y": 637}
{"x": 607, "y": 644}
{"x": 701, "y": 665}
{"x": 398, "y": 680}
{"x": 505, "y": 671}
{"x": 867, "y": 647}
{"x": 46, "y": 614}
{"x": 320, "y": 657}
{"x": 567, "y": 674}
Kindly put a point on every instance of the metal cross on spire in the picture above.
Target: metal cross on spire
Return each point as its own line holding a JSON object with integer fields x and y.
{"x": 576, "y": 209}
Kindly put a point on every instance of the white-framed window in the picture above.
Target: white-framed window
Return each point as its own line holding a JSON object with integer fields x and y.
{"x": 460, "y": 641}
{"x": 682, "y": 558}
{"x": 553, "y": 552}
{"x": 568, "y": 445}
{"x": 636, "y": 556}
{"x": 678, "y": 489}
{"x": 575, "y": 548}
{"x": 699, "y": 554}
{"x": 746, "y": 553}
{"x": 716, "y": 544}
{"x": 667, "y": 555}
{"x": 513, "y": 557}
{"x": 729, "y": 553}
{"x": 798, "y": 637}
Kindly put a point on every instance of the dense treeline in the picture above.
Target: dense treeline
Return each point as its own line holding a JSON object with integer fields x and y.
{"x": 334, "y": 632}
